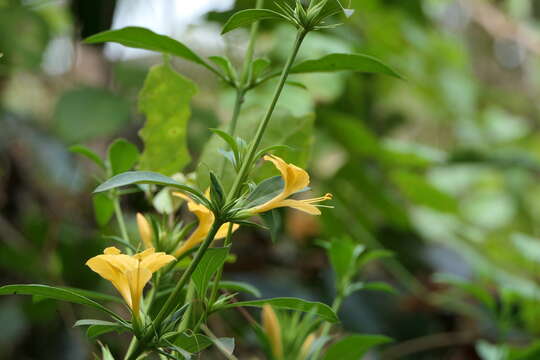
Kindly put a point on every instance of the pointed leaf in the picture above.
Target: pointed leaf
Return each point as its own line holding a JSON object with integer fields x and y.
{"x": 165, "y": 101}
{"x": 320, "y": 309}
{"x": 142, "y": 38}
{"x": 246, "y": 17}
{"x": 103, "y": 208}
{"x": 88, "y": 153}
{"x": 55, "y": 293}
{"x": 212, "y": 260}
{"x": 122, "y": 156}
{"x": 143, "y": 177}
{"x": 342, "y": 62}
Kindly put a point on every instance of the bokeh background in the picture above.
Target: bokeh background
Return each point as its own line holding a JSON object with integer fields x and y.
{"x": 442, "y": 168}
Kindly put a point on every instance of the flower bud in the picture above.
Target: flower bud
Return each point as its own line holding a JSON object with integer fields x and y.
{"x": 145, "y": 230}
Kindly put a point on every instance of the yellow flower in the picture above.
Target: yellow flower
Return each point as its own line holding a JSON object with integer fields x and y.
{"x": 145, "y": 231}
{"x": 206, "y": 219}
{"x": 129, "y": 274}
{"x": 295, "y": 179}
{"x": 270, "y": 324}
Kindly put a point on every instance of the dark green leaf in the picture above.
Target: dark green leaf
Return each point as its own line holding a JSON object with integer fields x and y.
{"x": 141, "y": 38}
{"x": 143, "y": 177}
{"x": 217, "y": 195}
{"x": 55, "y": 293}
{"x": 341, "y": 62}
{"x": 320, "y": 309}
{"x": 105, "y": 352}
{"x": 212, "y": 260}
{"x": 95, "y": 331}
{"x": 88, "y": 153}
{"x": 266, "y": 190}
{"x": 246, "y": 17}
{"x": 272, "y": 220}
{"x": 122, "y": 156}
{"x": 165, "y": 101}
{"x": 192, "y": 343}
{"x": 354, "y": 347}
{"x": 93, "y": 294}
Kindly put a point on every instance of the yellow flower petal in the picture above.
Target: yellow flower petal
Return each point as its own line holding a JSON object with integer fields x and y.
{"x": 145, "y": 230}
{"x": 224, "y": 229}
{"x": 270, "y": 324}
{"x": 295, "y": 179}
{"x": 129, "y": 274}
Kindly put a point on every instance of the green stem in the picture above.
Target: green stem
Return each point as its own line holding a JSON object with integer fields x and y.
{"x": 245, "y": 79}
{"x": 187, "y": 315}
{"x": 170, "y": 304}
{"x": 336, "y": 305}
{"x": 246, "y": 164}
{"x": 120, "y": 218}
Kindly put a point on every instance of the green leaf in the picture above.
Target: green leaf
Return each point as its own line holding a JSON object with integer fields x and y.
{"x": 95, "y": 331}
{"x": 237, "y": 286}
{"x": 93, "y": 294}
{"x": 87, "y": 113}
{"x": 165, "y": 101}
{"x": 142, "y": 38}
{"x": 212, "y": 260}
{"x": 144, "y": 177}
{"x": 246, "y": 17}
{"x": 105, "y": 352}
{"x": 353, "y": 347}
{"x": 420, "y": 192}
{"x": 258, "y": 66}
{"x": 103, "y": 208}
{"x": 216, "y": 191}
{"x": 122, "y": 156}
{"x": 55, "y": 293}
{"x": 372, "y": 256}
{"x": 192, "y": 343}
{"x": 226, "y": 67}
{"x": 343, "y": 255}
{"x": 272, "y": 220}
{"x": 100, "y": 327}
{"x": 320, "y": 309}
{"x": 88, "y": 153}
{"x": 370, "y": 286}
{"x": 342, "y": 62}
{"x": 265, "y": 190}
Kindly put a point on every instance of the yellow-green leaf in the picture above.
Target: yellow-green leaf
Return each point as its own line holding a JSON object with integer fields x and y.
{"x": 165, "y": 101}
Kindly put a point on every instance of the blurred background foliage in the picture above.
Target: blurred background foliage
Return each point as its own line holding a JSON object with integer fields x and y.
{"x": 441, "y": 169}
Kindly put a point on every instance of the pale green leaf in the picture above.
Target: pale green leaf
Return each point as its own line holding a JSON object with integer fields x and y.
{"x": 165, "y": 101}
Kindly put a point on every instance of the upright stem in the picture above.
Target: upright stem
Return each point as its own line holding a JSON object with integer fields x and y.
{"x": 266, "y": 119}
{"x": 327, "y": 326}
{"x": 120, "y": 218}
{"x": 170, "y": 302}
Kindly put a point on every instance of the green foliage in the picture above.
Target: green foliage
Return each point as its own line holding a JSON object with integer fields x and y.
{"x": 322, "y": 310}
{"x": 353, "y": 347}
{"x": 213, "y": 260}
{"x": 142, "y": 38}
{"x": 144, "y": 177}
{"x": 246, "y": 17}
{"x": 165, "y": 101}
{"x": 344, "y": 62}
{"x": 56, "y": 293}
{"x": 86, "y": 113}
{"x": 122, "y": 156}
